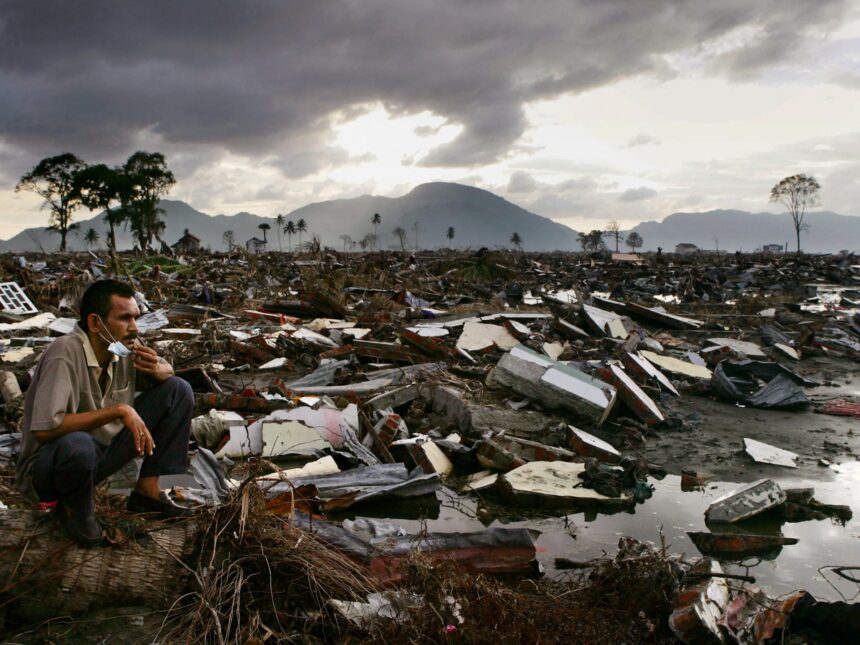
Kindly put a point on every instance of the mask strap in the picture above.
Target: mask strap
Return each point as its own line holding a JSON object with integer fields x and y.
{"x": 104, "y": 326}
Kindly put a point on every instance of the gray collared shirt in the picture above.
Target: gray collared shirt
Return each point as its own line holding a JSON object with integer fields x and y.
{"x": 66, "y": 380}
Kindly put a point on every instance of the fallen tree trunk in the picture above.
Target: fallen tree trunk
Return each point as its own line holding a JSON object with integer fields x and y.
{"x": 44, "y": 573}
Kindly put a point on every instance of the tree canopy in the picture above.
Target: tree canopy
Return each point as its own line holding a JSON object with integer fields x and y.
{"x": 53, "y": 179}
{"x": 797, "y": 193}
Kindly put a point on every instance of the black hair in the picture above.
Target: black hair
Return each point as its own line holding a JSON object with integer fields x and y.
{"x": 97, "y": 299}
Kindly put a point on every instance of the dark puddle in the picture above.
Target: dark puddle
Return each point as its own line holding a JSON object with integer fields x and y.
{"x": 583, "y": 536}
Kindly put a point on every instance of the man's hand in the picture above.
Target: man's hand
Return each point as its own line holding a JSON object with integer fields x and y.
{"x": 147, "y": 361}
{"x": 143, "y": 443}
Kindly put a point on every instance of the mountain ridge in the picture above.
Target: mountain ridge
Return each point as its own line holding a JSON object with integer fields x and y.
{"x": 479, "y": 217}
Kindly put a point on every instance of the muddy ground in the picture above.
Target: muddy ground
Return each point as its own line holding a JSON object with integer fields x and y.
{"x": 713, "y": 444}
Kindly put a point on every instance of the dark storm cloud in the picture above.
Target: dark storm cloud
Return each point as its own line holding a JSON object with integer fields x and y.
{"x": 252, "y": 77}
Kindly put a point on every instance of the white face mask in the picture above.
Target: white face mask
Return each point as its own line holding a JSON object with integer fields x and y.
{"x": 119, "y": 349}
{"x": 114, "y": 346}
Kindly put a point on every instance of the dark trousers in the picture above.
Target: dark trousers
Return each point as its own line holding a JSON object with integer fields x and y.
{"x": 69, "y": 468}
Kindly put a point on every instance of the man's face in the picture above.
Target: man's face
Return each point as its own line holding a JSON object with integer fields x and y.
{"x": 121, "y": 320}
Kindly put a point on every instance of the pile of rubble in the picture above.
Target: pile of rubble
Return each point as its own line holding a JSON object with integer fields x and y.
{"x": 536, "y": 379}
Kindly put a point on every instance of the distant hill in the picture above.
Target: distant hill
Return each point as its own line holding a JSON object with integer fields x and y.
{"x": 479, "y": 218}
{"x": 734, "y": 230}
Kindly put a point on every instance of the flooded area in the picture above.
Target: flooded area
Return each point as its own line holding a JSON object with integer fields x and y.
{"x": 583, "y": 536}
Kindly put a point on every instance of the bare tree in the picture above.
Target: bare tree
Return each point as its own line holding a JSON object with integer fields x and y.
{"x": 347, "y": 240}
{"x": 634, "y": 241}
{"x": 229, "y": 238}
{"x": 517, "y": 241}
{"x": 613, "y": 230}
{"x": 401, "y": 235}
{"x": 797, "y": 193}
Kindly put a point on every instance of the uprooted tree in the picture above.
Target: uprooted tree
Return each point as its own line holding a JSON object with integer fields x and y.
{"x": 797, "y": 193}
{"x": 53, "y": 179}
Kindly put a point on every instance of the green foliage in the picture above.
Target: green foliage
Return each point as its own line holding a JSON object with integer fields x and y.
{"x": 592, "y": 241}
{"x": 53, "y": 179}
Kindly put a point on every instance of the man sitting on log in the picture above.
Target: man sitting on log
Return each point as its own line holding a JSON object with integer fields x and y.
{"x": 82, "y": 422}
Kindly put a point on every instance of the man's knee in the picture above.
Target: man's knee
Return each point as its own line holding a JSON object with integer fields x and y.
{"x": 180, "y": 389}
{"x": 75, "y": 451}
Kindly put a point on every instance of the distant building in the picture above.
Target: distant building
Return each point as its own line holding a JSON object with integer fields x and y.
{"x": 685, "y": 248}
{"x": 188, "y": 243}
{"x": 627, "y": 257}
{"x": 256, "y": 245}
{"x": 771, "y": 248}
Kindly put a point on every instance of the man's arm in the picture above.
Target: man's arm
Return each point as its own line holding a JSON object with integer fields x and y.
{"x": 87, "y": 421}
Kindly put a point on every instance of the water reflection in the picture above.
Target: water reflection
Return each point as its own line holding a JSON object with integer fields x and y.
{"x": 583, "y": 536}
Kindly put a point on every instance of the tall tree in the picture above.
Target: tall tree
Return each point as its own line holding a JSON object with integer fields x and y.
{"x": 634, "y": 241}
{"x": 91, "y": 237}
{"x": 290, "y": 230}
{"x": 402, "y": 236}
{"x": 376, "y": 220}
{"x": 53, "y": 179}
{"x": 347, "y": 240}
{"x": 99, "y": 187}
{"x": 614, "y": 230}
{"x": 265, "y": 228}
{"x": 517, "y": 241}
{"x": 797, "y": 193}
{"x": 147, "y": 179}
{"x": 279, "y": 224}
{"x": 301, "y": 227}
{"x": 450, "y": 234}
{"x": 229, "y": 238}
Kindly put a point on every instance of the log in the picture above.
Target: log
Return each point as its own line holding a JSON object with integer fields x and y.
{"x": 43, "y": 572}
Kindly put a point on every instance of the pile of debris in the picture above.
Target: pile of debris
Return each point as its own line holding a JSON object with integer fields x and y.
{"x": 331, "y": 384}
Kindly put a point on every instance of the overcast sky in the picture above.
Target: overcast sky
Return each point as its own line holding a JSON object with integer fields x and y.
{"x": 582, "y": 111}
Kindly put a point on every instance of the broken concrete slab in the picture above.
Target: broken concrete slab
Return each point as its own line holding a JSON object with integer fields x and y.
{"x": 750, "y": 349}
{"x": 588, "y": 445}
{"x": 477, "y": 337}
{"x": 662, "y": 317}
{"x": 632, "y": 395}
{"x": 555, "y": 482}
{"x": 645, "y": 371}
{"x": 763, "y": 453}
{"x": 745, "y": 502}
{"x": 677, "y": 366}
{"x": 431, "y": 459}
{"x": 286, "y": 438}
{"x": 554, "y": 384}
{"x": 474, "y": 419}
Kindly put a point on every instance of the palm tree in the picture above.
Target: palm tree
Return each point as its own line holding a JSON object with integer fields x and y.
{"x": 279, "y": 222}
{"x": 301, "y": 227}
{"x": 400, "y": 234}
{"x": 376, "y": 220}
{"x": 228, "y": 238}
{"x": 450, "y": 234}
{"x": 91, "y": 237}
{"x": 346, "y": 240}
{"x": 516, "y": 240}
{"x": 264, "y": 227}
{"x": 290, "y": 230}
{"x": 365, "y": 242}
